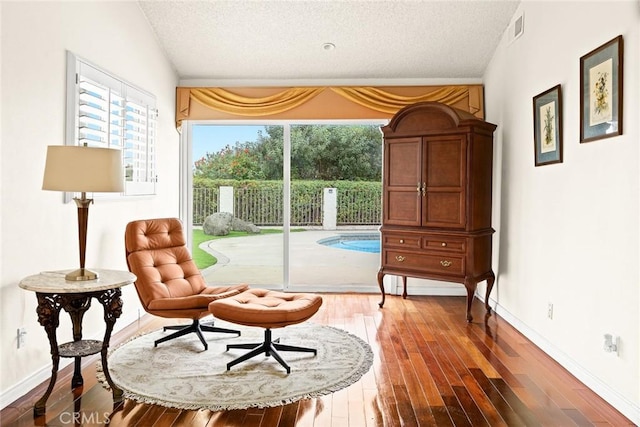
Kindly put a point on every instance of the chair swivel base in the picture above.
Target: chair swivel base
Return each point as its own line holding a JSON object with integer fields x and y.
{"x": 197, "y": 328}
{"x": 269, "y": 348}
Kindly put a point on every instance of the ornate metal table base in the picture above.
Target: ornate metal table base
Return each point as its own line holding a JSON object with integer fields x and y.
{"x": 76, "y": 304}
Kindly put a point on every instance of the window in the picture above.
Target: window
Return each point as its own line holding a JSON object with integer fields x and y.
{"x": 105, "y": 111}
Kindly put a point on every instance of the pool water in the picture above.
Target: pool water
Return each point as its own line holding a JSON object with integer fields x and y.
{"x": 360, "y": 243}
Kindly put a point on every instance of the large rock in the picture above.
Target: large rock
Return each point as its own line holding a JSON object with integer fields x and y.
{"x": 221, "y": 223}
{"x": 239, "y": 225}
{"x": 217, "y": 224}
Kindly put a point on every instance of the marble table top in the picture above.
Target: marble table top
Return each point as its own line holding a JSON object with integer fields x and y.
{"x": 53, "y": 282}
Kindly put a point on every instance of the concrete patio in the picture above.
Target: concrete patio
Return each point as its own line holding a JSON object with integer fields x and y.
{"x": 258, "y": 260}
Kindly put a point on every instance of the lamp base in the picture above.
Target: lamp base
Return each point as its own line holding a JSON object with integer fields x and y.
{"x": 81, "y": 274}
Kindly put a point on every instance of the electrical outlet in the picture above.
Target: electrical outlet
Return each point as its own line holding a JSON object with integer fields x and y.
{"x": 22, "y": 337}
{"x": 611, "y": 344}
{"x": 550, "y": 311}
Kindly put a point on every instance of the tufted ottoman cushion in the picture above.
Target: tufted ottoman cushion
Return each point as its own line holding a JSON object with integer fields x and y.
{"x": 266, "y": 309}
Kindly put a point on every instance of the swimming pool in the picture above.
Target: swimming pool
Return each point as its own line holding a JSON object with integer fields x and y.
{"x": 354, "y": 242}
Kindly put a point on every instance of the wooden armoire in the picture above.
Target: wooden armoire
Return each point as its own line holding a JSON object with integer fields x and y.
{"x": 436, "y": 221}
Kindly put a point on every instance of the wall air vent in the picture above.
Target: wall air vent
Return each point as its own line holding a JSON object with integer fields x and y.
{"x": 516, "y": 28}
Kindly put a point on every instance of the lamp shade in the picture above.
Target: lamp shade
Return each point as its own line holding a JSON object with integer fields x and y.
{"x": 83, "y": 169}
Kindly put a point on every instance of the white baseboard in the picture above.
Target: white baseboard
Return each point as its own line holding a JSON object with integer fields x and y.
{"x": 390, "y": 289}
{"x": 628, "y": 408}
{"x": 44, "y": 373}
{"x": 29, "y": 383}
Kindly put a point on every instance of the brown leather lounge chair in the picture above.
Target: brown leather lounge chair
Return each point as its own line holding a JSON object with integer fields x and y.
{"x": 168, "y": 282}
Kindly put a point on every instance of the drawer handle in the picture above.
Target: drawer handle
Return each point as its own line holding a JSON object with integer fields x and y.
{"x": 444, "y": 244}
{"x": 445, "y": 263}
{"x": 401, "y": 240}
{"x": 400, "y": 258}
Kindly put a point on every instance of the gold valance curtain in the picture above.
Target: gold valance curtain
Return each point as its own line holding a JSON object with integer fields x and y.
{"x": 252, "y": 102}
{"x": 223, "y": 100}
{"x": 387, "y": 102}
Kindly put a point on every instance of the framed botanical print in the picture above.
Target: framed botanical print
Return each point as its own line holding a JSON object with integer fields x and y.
{"x": 601, "y": 92}
{"x": 547, "y": 126}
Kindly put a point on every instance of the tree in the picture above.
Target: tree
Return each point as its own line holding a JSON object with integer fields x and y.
{"x": 269, "y": 150}
{"x": 333, "y": 152}
{"x": 318, "y": 152}
{"x": 238, "y": 162}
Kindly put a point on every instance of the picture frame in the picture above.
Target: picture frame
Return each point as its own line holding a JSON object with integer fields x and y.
{"x": 601, "y": 93}
{"x": 547, "y": 126}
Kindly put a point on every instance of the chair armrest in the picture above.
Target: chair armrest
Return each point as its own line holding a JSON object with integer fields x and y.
{"x": 201, "y": 300}
{"x": 182, "y": 303}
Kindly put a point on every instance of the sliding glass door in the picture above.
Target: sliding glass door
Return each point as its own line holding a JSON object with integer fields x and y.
{"x": 289, "y": 189}
{"x": 335, "y": 198}
{"x": 237, "y": 201}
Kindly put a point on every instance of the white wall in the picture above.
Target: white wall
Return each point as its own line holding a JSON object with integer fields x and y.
{"x": 38, "y": 231}
{"x": 568, "y": 233}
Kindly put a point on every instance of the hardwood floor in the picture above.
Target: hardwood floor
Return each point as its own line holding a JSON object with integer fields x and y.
{"x": 431, "y": 368}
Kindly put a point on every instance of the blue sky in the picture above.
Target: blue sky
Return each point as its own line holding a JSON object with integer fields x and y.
{"x": 211, "y": 138}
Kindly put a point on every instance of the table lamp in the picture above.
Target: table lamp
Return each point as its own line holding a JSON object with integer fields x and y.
{"x": 82, "y": 169}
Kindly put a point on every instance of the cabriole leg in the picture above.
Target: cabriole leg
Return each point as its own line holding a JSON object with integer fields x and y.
{"x": 490, "y": 281}
{"x": 380, "y": 278}
{"x": 471, "y": 290}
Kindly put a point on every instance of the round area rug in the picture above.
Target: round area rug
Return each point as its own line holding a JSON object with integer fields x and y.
{"x": 180, "y": 374}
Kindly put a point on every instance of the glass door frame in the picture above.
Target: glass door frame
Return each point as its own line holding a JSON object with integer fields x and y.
{"x": 186, "y": 171}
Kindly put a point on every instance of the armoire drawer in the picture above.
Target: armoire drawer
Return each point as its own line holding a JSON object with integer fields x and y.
{"x": 439, "y": 243}
{"x": 430, "y": 263}
{"x": 400, "y": 241}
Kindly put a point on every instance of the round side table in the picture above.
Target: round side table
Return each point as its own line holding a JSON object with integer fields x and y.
{"x": 55, "y": 293}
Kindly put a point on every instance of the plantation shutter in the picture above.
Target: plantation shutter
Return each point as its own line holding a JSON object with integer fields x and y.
{"x": 105, "y": 111}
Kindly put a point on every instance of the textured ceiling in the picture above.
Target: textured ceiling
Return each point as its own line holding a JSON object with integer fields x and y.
{"x": 277, "y": 40}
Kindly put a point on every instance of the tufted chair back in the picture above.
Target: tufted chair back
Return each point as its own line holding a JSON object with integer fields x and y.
{"x": 158, "y": 256}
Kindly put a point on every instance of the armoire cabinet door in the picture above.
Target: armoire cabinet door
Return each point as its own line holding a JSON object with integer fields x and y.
{"x": 445, "y": 159}
{"x": 403, "y": 180}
